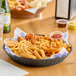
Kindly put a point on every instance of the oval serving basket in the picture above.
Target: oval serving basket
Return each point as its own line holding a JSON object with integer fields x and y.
{"x": 23, "y": 14}
{"x": 36, "y": 62}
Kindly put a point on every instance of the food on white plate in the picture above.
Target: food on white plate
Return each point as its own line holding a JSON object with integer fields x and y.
{"x": 37, "y": 47}
{"x": 26, "y": 4}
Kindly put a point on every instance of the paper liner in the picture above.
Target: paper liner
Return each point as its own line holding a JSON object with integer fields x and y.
{"x": 19, "y": 32}
{"x": 32, "y": 10}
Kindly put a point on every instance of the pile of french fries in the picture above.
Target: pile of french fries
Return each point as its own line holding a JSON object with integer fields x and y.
{"x": 36, "y": 47}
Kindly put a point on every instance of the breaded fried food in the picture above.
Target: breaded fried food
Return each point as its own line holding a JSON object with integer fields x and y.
{"x": 20, "y": 39}
{"x": 37, "y": 47}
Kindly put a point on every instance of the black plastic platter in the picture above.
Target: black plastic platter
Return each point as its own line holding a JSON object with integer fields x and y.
{"x": 36, "y": 62}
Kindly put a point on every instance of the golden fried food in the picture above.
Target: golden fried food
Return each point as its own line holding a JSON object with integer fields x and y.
{"x": 26, "y": 4}
{"x": 33, "y": 38}
{"x": 37, "y": 3}
{"x": 38, "y": 47}
{"x": 18, "y": 5}
{"x": 39, "y": 54}
{"x": 20, "y": 39}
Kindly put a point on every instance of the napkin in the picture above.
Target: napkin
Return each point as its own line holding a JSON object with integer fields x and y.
{"x": 7, "y": 69}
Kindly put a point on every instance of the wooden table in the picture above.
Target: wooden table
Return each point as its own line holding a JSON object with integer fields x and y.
{"x": 44, "y": 25}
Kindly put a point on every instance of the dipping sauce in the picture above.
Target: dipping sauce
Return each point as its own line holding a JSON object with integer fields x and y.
{"x": 56, "y": 35}
{"x": 72, "y": 25}
{"x": 10, "y": 43}
{"x": 62, "y": 23}
{"x": 22, "y": 2}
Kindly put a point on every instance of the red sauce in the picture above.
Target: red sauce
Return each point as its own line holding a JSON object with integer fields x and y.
{"x": 57, "y": 36}
{"x": 22, "y": 2}
{"x": 62, "y": 23}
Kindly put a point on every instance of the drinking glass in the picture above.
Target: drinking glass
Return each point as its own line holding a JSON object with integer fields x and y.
{"x": 2, "y": 11}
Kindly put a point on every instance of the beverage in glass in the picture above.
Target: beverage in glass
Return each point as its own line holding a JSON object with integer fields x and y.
{"x": 1, "y": 22}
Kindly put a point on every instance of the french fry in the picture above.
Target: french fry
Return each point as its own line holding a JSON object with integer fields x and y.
{"x": 27, "y": 55}
{"x": 37, "y": 54}
{"x": 42, "y": 53}
{"x": 26, "y": 50}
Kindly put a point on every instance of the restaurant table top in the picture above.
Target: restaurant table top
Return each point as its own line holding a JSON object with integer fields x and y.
{"x": 44, "y": 25}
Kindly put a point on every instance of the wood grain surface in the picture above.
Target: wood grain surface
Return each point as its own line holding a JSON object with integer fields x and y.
{"x": 44, "y": 25}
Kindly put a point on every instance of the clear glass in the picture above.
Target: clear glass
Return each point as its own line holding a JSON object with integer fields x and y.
{"x": 2, "y": 11}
